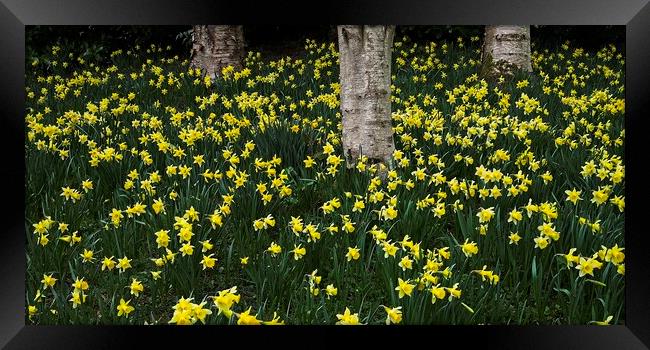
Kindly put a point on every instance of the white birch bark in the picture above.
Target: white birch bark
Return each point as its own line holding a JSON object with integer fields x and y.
{"x": 506, "y": 48}
{"x": 215, "y": 47}
{"x": 365, "y": 59}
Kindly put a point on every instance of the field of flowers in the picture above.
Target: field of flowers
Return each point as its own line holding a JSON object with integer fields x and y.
{"x": 155, "y": 196}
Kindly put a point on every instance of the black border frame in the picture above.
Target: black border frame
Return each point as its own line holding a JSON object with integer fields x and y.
{"x": 15, "y": 14}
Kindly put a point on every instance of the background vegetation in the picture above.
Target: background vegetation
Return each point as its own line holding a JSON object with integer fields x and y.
{"x": 101, "y": 110}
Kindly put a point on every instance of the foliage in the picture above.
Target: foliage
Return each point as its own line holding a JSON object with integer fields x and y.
{"x": 154, "y": 195}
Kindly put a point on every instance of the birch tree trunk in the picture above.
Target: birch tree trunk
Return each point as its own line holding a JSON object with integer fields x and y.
{"x": 215, "y": 47}
{"x": 505, "y": 49}
{"x": 365, "y": 59}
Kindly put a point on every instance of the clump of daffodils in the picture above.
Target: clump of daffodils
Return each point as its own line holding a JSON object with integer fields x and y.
{"x": 225, "y": 300}
{"x": 186, "y": 312}
{"x": 252, "y": 170}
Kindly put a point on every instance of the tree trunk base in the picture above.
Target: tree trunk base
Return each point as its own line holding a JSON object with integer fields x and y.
{"x": 506, "y": 49}
{"x": 365, "y": 59}
{"x": 217, "y": 47}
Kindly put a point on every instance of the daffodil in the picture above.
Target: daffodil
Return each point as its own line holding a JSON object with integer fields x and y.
{"x": 124, "y": 308}
{"x": 208, "y": 261}
{"x": 393, "y": 315}
{"x": 406, "y": 263}
{"x": 437, "y": 293}
{"x": 108, "y": 263}
{"x": 48, "y": 280}
{"x": 541, "y": 242}
{"x": 136, "y": 287}
{"x": 225, "y": 300}
{"x": 352, "y": 254}
{"x": 298, "y": 252}
{"x": 358, "y": 206}
{"x": 274, "y": 249}
{"x": 347, "y": 318}
{"x": 604, "y": 322}
{"x": 122, "y": 264}
{"x": 514, "y": 238}
{"x": 275, "y": 321}
{"x": 404, "y": 288}
{"x": 469, "y": 248}
{"x": 573, "y": 195}
{"x": 330, "y": 290}
{"x": 245, "y": 318}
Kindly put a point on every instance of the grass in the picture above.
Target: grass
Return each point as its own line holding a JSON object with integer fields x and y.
{"x": 145, "y": 111}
